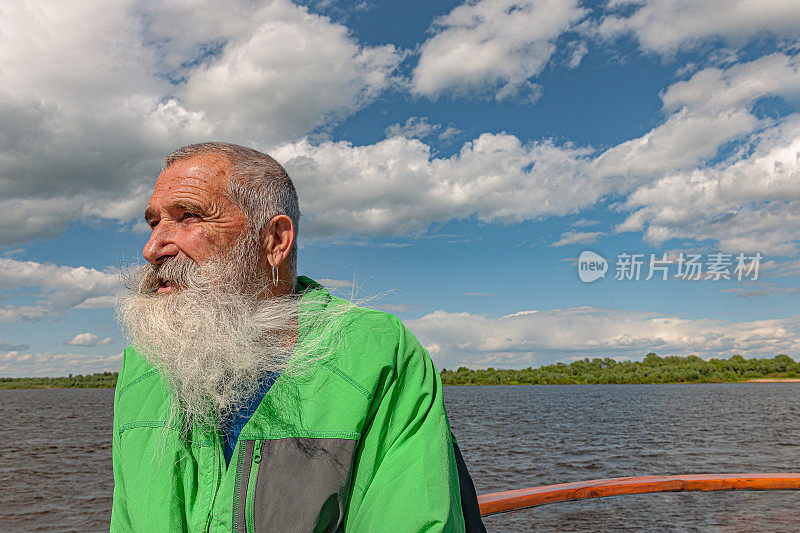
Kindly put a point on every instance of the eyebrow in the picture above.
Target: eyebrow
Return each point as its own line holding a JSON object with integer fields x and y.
{"x": 150, "y": 213}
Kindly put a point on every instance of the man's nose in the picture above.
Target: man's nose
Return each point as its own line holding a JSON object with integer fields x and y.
{"x": 161, "y": 244}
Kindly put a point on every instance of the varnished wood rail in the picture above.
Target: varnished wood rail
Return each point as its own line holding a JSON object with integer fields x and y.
{"x": 514, "y": 500}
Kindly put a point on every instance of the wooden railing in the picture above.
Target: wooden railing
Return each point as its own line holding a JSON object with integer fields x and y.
{"x": 515, "y": 500}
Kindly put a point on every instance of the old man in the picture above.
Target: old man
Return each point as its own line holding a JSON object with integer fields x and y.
{"x": 250, "y": 399}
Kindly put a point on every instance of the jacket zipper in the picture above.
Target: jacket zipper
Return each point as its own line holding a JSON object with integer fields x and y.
{"x": 207, "y": 528}
{"x": 251, "y": 486}
{"x": 214, "y": 483}
{"x": 237, "y": 486}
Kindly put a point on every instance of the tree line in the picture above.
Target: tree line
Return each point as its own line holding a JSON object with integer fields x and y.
{"x": 104, "y": 380}
{"x": 653, "y": 369}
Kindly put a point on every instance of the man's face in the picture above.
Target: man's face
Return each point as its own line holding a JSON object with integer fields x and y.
{"x": 189, "y": 215}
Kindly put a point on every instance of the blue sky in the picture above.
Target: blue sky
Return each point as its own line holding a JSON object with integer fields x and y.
{"x": 452, "y": 159}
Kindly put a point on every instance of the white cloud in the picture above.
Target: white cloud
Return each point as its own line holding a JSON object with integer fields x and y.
{"x": 89, "y": 109}
{"x": 58, "y": 288}
{"x": 684, "y": 141}
{"x": 665, "y": 26}
{"x": 335, "y": 283}
{"x": 751, "y": 204}
{"x": 81, "y": 121}
{"x": 737, "y": 86}
{"x": 540, "y": 337}
{"x": 82, "y": 139}
{"x": 492, "y": 43}
{"x": 584, "y": 222}
{"x": 17, "y": 364}
{"x": 367, "y": 189}
{"x": 420, "y": 128}
{"x": 415, "y": 127}
{"x": 449, "y": 134}
{"x": 578, "y": 237}
{"x": 711, "y": 170}
{"x": 88, "y": 339}
{"x": 395, "y": 308}
{"x": 747, "y": 199}
{"x": 761, "y": 289}
{"x": 287, "y": 72}
{"x": 780, "y": 269}
{"x": 577, "y": 49}
{"x": 676, "y": 193}
{"x": 38, "y": 217}
{"x": 710, "y": 109}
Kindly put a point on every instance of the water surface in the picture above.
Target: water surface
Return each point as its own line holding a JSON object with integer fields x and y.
{"x": 524, "y": 436}
{"x": 55, "y": 464}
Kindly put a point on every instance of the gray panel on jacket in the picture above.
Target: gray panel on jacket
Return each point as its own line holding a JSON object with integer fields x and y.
{"x": 302, "y": 484}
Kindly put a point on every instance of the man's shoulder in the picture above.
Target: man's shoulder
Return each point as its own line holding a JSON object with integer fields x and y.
{"x": 134, "y": 367}
{"x": 350, "y": 321}
{"x": 368, "y": 345}
{"x": 364, "y": 321}
{"x": 379, "y": 332}
{"x": 137, "y": 380}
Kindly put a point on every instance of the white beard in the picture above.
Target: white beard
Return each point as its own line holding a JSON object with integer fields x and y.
{"x": 213, "y": 338}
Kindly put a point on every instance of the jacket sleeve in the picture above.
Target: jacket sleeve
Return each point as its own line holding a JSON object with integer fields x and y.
{"x": 405, "y": 477}
{"x": 120, "y": 521}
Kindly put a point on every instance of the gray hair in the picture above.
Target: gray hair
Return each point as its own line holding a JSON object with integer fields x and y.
{"x": 258, "y": 184}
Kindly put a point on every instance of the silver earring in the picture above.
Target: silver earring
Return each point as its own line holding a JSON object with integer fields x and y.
{"x": 274, "y": 275}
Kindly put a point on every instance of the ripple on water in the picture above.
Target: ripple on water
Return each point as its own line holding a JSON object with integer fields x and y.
{"x": 56, "y": 468}
{"x": 56, "y": 471}
{"x": 574, "y": 433}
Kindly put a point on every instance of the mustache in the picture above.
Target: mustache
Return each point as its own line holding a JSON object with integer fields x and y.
{"x": 180, "y": 270}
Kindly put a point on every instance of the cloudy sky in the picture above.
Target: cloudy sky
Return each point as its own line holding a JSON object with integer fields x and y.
{"x": 452, "y": 160}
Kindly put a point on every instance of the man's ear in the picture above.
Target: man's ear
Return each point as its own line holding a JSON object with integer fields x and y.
{"x": 276, "y": 241}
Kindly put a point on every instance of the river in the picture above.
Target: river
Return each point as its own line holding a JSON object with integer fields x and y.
{"x": 55, "y": 465}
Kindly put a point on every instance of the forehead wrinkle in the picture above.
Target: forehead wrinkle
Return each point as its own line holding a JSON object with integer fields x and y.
{"x": 188, "y": 206}
{"x": 187, "y": 192}
{"x": 217, "y": 170}
{"x": 200, "y": 184}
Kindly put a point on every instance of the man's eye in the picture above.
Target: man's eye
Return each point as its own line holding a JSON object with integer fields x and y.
{"x": 190, "y": 215}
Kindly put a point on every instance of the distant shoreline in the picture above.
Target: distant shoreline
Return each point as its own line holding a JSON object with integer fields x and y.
{"x": 651, "y": 369}
{"x": 607, "y": 371}
{"x": 756, "y": 380}
{"x": 3, "y": 387}
{"x": 773, "y": 380}
{"x": 101, "y": 380}
{"x": 764, "y": 380}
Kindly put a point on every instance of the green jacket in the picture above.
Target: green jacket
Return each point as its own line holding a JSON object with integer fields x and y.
{"x": 360, "y": 443}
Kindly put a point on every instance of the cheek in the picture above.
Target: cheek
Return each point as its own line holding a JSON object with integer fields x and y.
{"x": 207, "y": 242}
{"x": 199, "y": 243}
